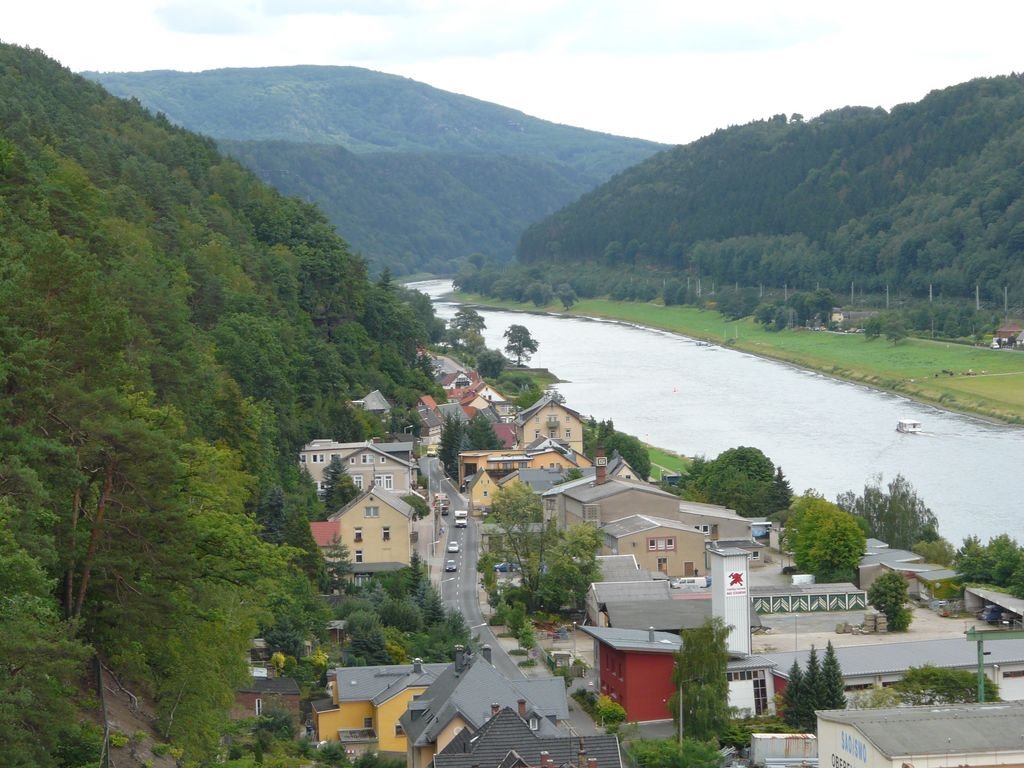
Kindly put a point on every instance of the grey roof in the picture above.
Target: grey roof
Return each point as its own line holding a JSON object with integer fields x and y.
{"x": 910, "y": 731}
{"x": 452, "y": 409}
{"x": 896, "y": 658}
{"x": 527, "y": 414}
{"x": 506, "y": 740}
{"x": 615, "y": 591}
{"x": 621, "y": 568}
{"x": 803, "y": 589}
{"x": 282, "y": 686}
{"x": 939, "y": 574}
{"x": 375, "y": 401}
{"x": 686, "y": 611}
{"x": 668, "y": 615}
{"x": 429, "y": 417}
{"x": 627, "y": 526}
{"x": 1009, "y": 602}
{"x": 871, "y": 545}
{"x": 663, "y": 642}
{"x": 393, "y": 501}
{"x": 888, "y": 556}
{"x": 471, "y": 692}
{"x": 386, "y": 567}
{"x": 539, "y": 480}
{"x": 586, "y": 489}
{"x": 723, "y": 545}
{"x": 710, "y": 510}
{"x": 368, "y": 683}
{"x": 322, "y": 705}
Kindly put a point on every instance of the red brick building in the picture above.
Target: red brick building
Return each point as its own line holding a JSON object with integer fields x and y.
{"x": 264, "y": 693}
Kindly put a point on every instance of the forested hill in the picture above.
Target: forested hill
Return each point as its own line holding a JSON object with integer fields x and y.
{"x": 171, "y": 331}
{"x": 929, "y": 193}
{"x": 414, "y": 177}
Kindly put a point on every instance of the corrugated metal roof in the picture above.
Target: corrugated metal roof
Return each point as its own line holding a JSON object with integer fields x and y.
{"x": 938, "y": 730}
{"x": 896, "y": 658}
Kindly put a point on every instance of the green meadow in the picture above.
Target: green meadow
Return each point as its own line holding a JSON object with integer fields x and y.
{"x": 959, "y": 377}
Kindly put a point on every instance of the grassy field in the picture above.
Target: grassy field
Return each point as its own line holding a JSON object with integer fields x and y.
{"x": 666, "y": 461}
{"x": 976, "y": 380}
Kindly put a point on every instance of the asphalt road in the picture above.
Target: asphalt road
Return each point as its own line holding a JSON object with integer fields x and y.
{"x": 461, "y": 590}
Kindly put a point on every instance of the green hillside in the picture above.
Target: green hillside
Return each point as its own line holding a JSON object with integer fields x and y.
{"x": 435, "y": 176}
{"x": 171, "y": 331}
{"x": 927, "y": 194}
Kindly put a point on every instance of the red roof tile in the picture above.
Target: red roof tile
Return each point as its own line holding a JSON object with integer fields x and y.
{"x": 326, "y": 532}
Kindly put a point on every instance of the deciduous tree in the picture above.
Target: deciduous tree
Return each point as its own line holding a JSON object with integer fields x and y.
{"x": 519, "y": 343}
{"x": 700, "y": 674}
{"x": 824, "y": 540}
{"x": 888, "y": 594}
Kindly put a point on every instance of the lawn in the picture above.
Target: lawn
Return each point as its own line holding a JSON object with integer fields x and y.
{"x": 959, "y": 377}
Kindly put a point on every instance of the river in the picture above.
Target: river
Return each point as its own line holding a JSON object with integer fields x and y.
{"x": 826, "y": 434}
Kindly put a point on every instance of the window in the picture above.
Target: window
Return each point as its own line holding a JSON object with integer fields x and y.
{"x": 367, "y": 458}
{"x": 568, "y": 434}
{"x": 359, "y": 555}
{"x": 399, "y": 731}
{"x": 383, "y": 459}
{"x": 661, "y": 544}
{"x": 259, "y": 707}
{"x": 1014, "y": 673}
{"x": 386, "y": 533}
{"x": 485, "y": 494}
{"x": 662, "y": 565}
{"x": 705, "y": 528}
{"x": 351, "y": 459}
{"x": 302, "y": 458}
{"x": 760, "y": 693}
{"x": 534, "y": 723}
{"x": 359, "y": 534}
{"x": 755, "y": 555}
{"x": 536, "y": 434}
{"x": 387, "y": 482}
{"x": 591, "y": 513}
{"x": 367, "y": 722}
{"x": 371, "y": 511}
{"x": 357, "y": 481}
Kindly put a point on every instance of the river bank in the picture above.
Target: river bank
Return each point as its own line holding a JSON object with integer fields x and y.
{"x": 963, "y": 379}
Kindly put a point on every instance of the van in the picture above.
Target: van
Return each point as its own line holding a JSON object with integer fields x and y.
{"x": 431, "y": 450}
{"x": 461, "y": 518}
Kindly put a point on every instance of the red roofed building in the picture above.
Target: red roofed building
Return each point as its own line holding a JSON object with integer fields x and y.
{"x": 327, "y": 533}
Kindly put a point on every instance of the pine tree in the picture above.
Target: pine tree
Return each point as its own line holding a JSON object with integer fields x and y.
{"x": 791, "y": 696}
{"x": 833, "y": 687}
{"x": 339, "y": 488}
{"x": 810, "y": 693}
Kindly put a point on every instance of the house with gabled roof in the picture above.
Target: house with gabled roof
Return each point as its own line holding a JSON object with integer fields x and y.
{"x": 375, "y": 527}
{"x": 367, "y": 463}
{"x": 263, "y": 694}
{"x": 462, "y": 697}
{"x": 365, "y": 704}
{"x": 507, "y": 741}
{"x": 599, "y": 500}
{"x": 661, "y": 545}
{"x": 550, "y": 418}
{"x": 375, "y": 402}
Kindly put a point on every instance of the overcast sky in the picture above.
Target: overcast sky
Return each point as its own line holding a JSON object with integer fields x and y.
{"x": 669, "y": 71}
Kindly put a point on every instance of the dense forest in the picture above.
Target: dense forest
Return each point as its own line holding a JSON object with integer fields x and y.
{"x": 414, "y": 177}
{"x": 171, "y": 331}
{"x": 925, "y": 197}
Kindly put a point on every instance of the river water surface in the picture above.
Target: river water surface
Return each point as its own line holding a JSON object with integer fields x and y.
{"x": 828, "y": 435}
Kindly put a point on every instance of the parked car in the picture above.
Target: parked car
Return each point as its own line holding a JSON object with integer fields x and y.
{"x": 506, "y": 567}
{"x": 450, "y": 566}
{"x": 453, "y": 546}
{"x": 991, "y": 613}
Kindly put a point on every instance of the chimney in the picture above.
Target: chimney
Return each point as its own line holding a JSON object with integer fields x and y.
{"x": 545, "y": 759}
{"x": 417, "y": 665}
{"x": 600, "y": 466}
{"x": 581, "y": 757}
{"x": 460, "y": 658}
{"x": 650, "y": 634}
{"x": 486, "y": 651}
{"x": 592, "y": 762}
{"x": 522, "y": 708}
{"x": 495, "y": 708}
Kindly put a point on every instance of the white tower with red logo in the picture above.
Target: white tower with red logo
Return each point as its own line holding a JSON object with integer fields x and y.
{"x": 730, "y": 595}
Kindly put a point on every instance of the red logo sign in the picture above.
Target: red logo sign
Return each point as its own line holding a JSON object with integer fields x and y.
{"x": 736, "y": 579}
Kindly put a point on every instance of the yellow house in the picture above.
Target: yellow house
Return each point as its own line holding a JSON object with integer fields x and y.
{"x": 547, "y": 418}
{"x": 547, "y": 455}
{"x": 376, "y": 529}
{"x": 366, "y": 703}
{"x": 480, "y": 490}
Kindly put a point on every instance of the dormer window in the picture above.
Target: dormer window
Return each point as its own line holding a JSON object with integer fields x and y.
{"x": 534, "y": 723}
